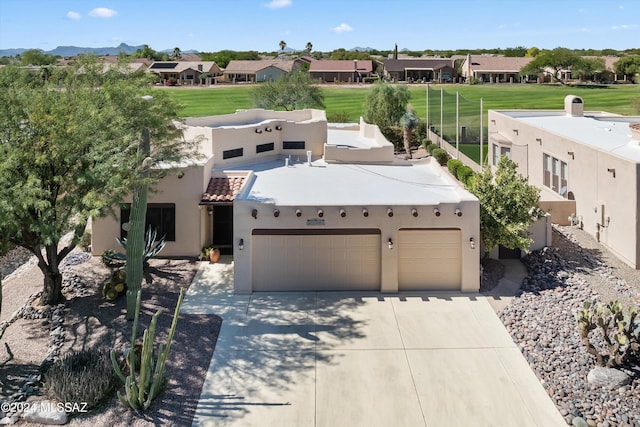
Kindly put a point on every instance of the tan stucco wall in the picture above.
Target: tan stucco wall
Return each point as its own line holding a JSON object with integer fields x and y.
{"x": 589, "y": 182}
{"x": 185, "y": 192}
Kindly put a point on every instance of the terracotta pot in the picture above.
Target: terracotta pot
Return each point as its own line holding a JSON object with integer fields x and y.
{"x": 214, "y": 255}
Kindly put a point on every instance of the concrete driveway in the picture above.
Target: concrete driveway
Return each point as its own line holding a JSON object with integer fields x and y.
{"x": 361, "y": 359}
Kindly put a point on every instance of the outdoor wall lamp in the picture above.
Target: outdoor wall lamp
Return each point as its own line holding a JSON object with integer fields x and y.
{"x": 472, "y": 243}
{"x": 572, "y": 154}
{"x": 320, "y": 213}
{"x": 258, "y": 130}
{"x": 180, "y": 174}
{"x": 365, "y": 212}
{"x": 414, "y": 212}
{"x": 210, "y": 210}
{"x": 457, "y": 212}
{"x": 298, "y": 213}
{"x": 276, "y": 213}
{"x": 254, "y": 213}
{"x": 390, "y": 243}
{"x": 613, "y": 171}
{"x": 343, "y": 213}
{"x": 241, "y": 244}
{"x": 390, "y": 212}
{"x": 267, "y": 129}
{"x": 436, "y": 211}
{"x": 278, "y": 127}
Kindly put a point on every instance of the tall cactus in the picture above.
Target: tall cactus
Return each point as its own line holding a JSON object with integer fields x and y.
{"x": 137, "y": 218}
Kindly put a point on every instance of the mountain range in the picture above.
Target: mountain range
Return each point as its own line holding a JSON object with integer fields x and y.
{"x": 66, "y": 51}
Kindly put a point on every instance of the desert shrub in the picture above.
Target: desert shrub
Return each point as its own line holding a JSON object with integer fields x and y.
{"x": 339, "y": 117}
{"x": 620, "y": 332}
{"x": 85, "y": 241}
{"x": 453, "y": 165}
{"x": 82, "y": 376}
{"x": 394, "y": 136}
{"x": 441, "y": 156}
{"x": 432, "y": 147}
{"x": 464, "y": 174}
{"x": 425, "y": 143}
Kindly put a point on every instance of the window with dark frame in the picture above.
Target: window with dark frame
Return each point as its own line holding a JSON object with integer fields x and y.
{"x": 293, "y": 145}
{"x": 261, "y": 148}
{"x": 161, "y": 216}
{"x": 230, "y": 154}
{"x": 555, "y": 175}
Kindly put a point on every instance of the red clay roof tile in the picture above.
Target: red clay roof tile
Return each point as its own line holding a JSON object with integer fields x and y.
{"x": 222, "y": 189}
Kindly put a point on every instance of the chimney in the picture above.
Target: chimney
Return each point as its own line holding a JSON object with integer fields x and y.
{"x": 573, "y": 106}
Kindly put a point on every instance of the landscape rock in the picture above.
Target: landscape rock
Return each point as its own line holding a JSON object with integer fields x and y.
{"x": 45, "y": 412}
{"x": 579, "y": 422}
{"x": 608, "y": 377}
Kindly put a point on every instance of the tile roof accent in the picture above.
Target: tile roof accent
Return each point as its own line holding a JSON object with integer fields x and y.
{"x": 222, "y": 189}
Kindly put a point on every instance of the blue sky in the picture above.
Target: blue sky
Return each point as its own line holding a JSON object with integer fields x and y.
{"x": 212, "y": 25}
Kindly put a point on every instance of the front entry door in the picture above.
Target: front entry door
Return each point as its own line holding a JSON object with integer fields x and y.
{"x": 223, "y": 229}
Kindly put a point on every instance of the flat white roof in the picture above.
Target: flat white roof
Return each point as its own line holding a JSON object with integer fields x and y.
{"x": 348, "y": 138}
{"x": 330, "y": 184}
{"x": 608, "y": 133}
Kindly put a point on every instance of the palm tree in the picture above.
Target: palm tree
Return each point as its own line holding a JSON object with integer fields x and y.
{"x": 309, "y": 46}
{"x": 408, "y": 121}
{"x": 177, "y": 54}
{"x": 283, "y": 44}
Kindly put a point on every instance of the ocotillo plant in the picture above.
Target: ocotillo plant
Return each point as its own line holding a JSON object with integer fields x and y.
{"x": 137, "y": 218}
{"x": 140, "y": 391}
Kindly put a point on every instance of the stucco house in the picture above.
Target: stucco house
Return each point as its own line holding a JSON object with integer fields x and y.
{"x": 346, "y": 71}
{"x": 440, "y": 70}
{"x": 586, "y": 163}
{"x": 257, "y": 70}
{"x": 303, "y": 204}
{"x": 495, "y": 69}
{"x": 185, "y": 72}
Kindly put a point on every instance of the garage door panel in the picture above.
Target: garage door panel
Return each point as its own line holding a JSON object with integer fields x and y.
{"x": 429, "y": 259}
{"x": 316, "y": 262}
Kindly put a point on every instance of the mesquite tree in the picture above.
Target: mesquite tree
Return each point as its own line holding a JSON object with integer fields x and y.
{"x": 68, "y": 152}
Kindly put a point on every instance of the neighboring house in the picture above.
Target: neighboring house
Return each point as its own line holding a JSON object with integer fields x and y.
{"x": 346, "y": 71}
{"x": 306, "y": 205}
{"x": 587, "y": 165}
{"x": 495, "y": 69}
{"x": 607, "y": 75}
{"x": 256, "y": 70}
{"x": 440, "y": 70}
{"x": 185, "y": 72}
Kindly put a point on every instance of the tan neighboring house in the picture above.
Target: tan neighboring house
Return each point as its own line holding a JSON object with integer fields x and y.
{"x": 586, "y": 164}
{"x": 440, "y": 70}
{"x": 302, "y": 204}
{"x": 185, "y": 72}
{"x": 495, "y": 69}
{"x": 252, "y": 71}
{"x": 344, "y": 71}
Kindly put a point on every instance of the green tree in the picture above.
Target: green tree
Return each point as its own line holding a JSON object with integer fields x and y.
{"x": 385, "y": 104}
{"x": 557, "y": 59}
{"x": 532, "y": 52}
{"x": 147, "y": 52}
{"x": 588, "y": 68}
{"x": 37, "y": 57}
{"x": 177, "y": 54}
{"x": 68, "y": 152}
{"x": 289, "y": 92}
{"x": 508, "y": 206}
{"x": 628, "y": 66}
{"x": 408, "y": 121}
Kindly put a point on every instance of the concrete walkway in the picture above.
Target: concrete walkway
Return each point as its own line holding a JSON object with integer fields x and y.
{"x": 361, "y": 359}
{"x": 507, "y": 288}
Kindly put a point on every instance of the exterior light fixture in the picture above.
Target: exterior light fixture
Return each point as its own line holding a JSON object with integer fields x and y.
{"x": 180, "y": 174}
{"x": 210, "y": 210}
{"x": 365, "y": 212}
{"x": 414, "y": 212}
{"x": 390, "y": 243}
{"x": 472, "y": 243}
{"x": 254, "y": 213}
{"x": 572, "y": 154}
{"x": 276, "y": 213}
{"x": 320, "y": 213}
{"x": 457, "y": 212}
{"x": 390, "y": 212}
{"x": 298, "y": 213}
{"x": 258, "y": 130}
{"x": 613, "y": 171}
{"x": 343, "y": 213}
{"x": 436, "y": 211}
{"x": 267, "y": 129}
{"x": 241, "y": 244}
{"x": 278, "y": 127}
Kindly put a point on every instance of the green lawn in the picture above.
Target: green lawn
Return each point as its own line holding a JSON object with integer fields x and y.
{"x": 350, "y": 101}
{"x": 473, "y": 151}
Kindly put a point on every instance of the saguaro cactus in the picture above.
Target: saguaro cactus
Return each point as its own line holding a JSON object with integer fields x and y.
{"x": 137, "y": 218}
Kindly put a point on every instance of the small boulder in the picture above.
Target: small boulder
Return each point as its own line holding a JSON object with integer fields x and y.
{"x": 45, "y": 412}
{"x": 608, "y": 377}
{"x": 579, "y": 422}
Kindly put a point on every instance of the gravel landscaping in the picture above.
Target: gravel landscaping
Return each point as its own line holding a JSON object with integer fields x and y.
{"x": 541, "y": 321}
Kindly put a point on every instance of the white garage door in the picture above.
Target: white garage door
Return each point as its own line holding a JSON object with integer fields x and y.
{"x": 316, "y": 260}
{"x": 429, "y": 259}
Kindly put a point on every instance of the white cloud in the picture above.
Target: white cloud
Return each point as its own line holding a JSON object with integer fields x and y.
{"x": 504, "y": 26}
{"x": 342, "y": 28}
{"x": 625, "y": 27}
{"x": 73, "y": 15}
{"x": 277, "y": 4}
{"x": 102, "y": 12}
{"x": 620, "y": 7}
